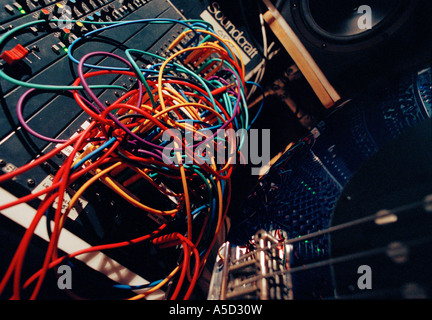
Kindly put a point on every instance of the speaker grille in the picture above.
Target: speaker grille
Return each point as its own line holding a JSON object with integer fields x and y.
{"x": 343, "y": 24}
{"x": 349, "y": 20}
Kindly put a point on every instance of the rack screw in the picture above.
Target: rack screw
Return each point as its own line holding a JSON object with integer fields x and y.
{"x": 31, "y": 182}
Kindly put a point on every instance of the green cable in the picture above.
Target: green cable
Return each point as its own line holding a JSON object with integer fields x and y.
{"x": 141, "y": 77}
{"x": 43, "y": 86}
{"x": 9, "y": 33}
{"x": 183, "y": 69}
{"x": 211, "y": 197}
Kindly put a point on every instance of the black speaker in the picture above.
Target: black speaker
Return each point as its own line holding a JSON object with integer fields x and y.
{"x": 357, "y": 42}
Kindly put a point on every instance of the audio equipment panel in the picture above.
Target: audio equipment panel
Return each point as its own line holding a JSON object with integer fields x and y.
{"x": 90, "y": 87}
{"x": 53, "y": 114}
{"x": 116, "y": 52}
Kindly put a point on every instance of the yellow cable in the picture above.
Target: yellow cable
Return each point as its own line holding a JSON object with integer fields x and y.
{"x": 84, "y": 187}
{"x": 234, "y": 45}
{"x": 156, "y": 287}
{"x": 165, "y": 63}
{"x": 135, "y": 202}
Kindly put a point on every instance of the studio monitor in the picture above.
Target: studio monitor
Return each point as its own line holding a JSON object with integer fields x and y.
{"x": 356, "y": 42}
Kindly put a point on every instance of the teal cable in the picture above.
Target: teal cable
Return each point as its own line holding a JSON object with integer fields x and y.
{"x": 43, "y": 86}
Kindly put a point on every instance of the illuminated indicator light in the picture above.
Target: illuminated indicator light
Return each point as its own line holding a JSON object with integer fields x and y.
{"x": 65, "y": 49}
{"x": 23, "y": 11}
{"x": 309, "y": 188}
{"x": 313, "y": 192}
{"x": 318, "y": 250}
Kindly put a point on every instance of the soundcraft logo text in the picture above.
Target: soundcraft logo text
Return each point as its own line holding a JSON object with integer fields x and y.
{"x": 228, "y": 28}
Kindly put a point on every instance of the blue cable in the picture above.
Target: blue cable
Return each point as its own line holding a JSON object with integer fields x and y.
{"x": 210, "y": 128}
{"x": 198, "y": 210}
{"x": 203, "y": 25}
{"x": 93, "y": 153}
{"x": 153, "y": 20}
{"x": 142, "y": 286}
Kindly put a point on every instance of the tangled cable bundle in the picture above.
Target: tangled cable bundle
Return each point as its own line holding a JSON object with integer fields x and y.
{"x": 197, "y": 91}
